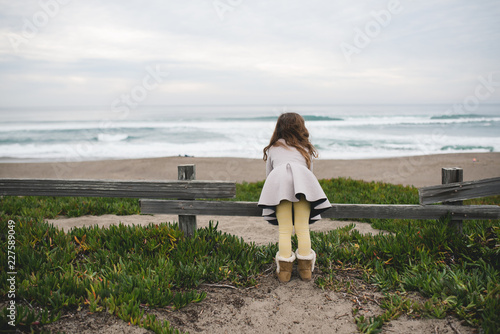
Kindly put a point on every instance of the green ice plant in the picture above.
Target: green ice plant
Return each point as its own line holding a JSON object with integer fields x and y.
{"x": 27, "y": 318}
{"x": 121, "y": 268}
{"x": 118, "y": 269}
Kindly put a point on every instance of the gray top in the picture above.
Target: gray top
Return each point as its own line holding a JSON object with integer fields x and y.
{"x": 288, "y": 178}
{"x": 279, "y": 155}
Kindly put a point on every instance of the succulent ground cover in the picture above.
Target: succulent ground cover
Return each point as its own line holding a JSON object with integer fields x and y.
{"x": 421, "y": 270}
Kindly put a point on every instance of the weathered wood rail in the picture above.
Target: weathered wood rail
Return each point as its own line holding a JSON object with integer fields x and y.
{"x": 114, "y": 188}
{"x": 182, "y": 193}
{"x": 459, "y": 191}
{"x": 382, "y": 211}
{"x": 454, "y": 191}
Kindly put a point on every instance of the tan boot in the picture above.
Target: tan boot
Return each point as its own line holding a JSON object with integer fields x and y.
{"x": 284, "y": 267}
{"x": 306, "y": 265}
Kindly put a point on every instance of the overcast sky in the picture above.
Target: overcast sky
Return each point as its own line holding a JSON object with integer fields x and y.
{"x": 89, "y": 52}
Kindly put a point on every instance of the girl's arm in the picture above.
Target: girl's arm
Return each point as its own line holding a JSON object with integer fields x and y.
{"x": 269, "y": 165}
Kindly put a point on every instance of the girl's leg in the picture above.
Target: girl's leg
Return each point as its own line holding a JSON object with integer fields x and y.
{"x": 285, "y": 226}
{"x": 302, "y": 210}
{"x": 305, "y": 255}
{"x": 285, "y": 257}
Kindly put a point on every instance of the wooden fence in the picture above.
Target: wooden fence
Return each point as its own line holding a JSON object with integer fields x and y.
{"x": 183, "y": 194}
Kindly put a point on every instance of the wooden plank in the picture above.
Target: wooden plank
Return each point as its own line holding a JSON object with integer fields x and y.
{"x": 211, "y": 208}
{"x": 187, "y": 223}
{"x": 186, "y": 172}
{"x": 383, "y": 211}
{"x": 117, "y": 188}
{"x": 459, "y": 191}
{"x": 453, "y": 175}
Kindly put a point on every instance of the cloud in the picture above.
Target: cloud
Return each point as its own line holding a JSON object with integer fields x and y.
{"x": 275, "y": 52}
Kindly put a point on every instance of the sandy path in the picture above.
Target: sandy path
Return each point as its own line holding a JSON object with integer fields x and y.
{"x": 251, "y": 229}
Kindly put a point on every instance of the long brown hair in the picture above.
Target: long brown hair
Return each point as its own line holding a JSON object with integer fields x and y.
{"x": 292, "y": 128}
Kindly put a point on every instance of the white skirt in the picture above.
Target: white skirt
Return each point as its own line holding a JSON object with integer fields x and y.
{"x": 290, "y": 182}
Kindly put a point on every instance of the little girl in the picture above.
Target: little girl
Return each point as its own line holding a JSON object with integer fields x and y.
{"x": 292, "y": 196}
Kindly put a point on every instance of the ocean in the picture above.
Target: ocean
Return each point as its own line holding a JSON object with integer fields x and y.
{"x": 337, "y": 131}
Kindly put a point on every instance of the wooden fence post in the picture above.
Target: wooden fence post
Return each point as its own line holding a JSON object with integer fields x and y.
{"x": 187, "y": 223}
{"x": 452, "y": 175}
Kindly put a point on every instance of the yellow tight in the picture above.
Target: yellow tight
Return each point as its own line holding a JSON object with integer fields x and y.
{"x": 301, "y": 211}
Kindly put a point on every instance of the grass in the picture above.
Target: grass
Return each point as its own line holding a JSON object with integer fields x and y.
{"x": 126, "y": 270}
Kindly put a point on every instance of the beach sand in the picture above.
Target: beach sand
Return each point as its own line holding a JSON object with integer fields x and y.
{"x": 418, "y": 171}
{"x": 297, "y": 307}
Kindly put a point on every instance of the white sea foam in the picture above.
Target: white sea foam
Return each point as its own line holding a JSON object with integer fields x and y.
{"x": 111, "y": 137}
{"x": 366, "y": 134}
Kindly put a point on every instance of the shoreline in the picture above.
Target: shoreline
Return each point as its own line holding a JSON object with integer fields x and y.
{"x": 418, "y": 171}
{"x": 8, "y": 160}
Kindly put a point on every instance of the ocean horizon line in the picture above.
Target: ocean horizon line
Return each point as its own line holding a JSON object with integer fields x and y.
{"x": 345, "y": 133}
